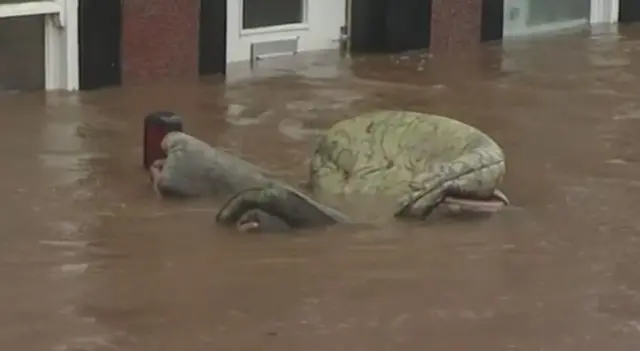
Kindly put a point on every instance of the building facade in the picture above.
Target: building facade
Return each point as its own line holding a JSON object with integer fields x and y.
{"x": 85, "y": 44}
{"x": 39, "y": 45}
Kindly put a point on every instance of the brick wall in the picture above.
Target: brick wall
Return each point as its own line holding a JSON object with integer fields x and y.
{"x": 455, "y": 25}
{"x": 160, "y": 37}
{"x": 159, "y": 40}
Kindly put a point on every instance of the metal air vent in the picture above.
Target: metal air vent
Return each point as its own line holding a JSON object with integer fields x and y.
{"x": 265, "y": 49}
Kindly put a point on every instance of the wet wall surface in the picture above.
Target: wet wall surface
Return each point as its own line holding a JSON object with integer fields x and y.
{"x": 91, "y": 259}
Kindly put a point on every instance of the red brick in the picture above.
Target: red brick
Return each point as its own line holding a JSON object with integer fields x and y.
{"x": 455, "y": 25}
{"x": 159, "y": 40}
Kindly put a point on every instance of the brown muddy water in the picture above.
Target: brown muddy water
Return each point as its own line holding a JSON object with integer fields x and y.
{"x": 91, "y": 259}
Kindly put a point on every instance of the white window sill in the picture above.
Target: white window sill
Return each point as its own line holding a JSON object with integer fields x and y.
{"x": 29, "y": 9}
{"x": 274, "y": 29}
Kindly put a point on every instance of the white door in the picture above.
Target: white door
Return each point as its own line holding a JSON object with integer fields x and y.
{"x": 263, "y": 28}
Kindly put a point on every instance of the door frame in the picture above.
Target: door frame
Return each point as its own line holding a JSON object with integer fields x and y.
{"x": 92, "y": 76}
{"x": 373, "y": 27}
{"x": 604, "y": 11}
{"x": 61, "y": 39}
{"x": 628, "y": 17}
{"x": 212, "y": 57}
{"x": 492, "y": 22}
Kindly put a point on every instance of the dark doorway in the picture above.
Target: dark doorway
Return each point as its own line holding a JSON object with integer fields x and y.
{"x": 99, "y": 38}
{"x": 22, "y": 53}
{"x": 390, "y": 26}
{"x": 492, "y": 20}
{"x": 629, "y": 11}
{"x": 213, "y": 37}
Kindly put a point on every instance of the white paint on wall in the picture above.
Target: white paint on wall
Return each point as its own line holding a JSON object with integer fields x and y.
{"x": 61, "y": 48}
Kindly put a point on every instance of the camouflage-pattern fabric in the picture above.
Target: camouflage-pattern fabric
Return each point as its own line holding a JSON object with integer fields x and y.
{"x": 281, "y": 202}
{"x": 418, "y": 159}
{"x": 193, "y": 168}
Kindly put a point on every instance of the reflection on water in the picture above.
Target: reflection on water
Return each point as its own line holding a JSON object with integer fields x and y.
{"x": 91, "y": 259}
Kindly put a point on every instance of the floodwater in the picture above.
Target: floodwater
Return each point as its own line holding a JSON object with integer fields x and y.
{"x": 91, "y": 259}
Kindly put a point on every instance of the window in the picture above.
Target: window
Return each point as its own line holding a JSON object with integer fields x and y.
{"x": 527, "y": 17}
{"x": 554, "y": 11}
{"x": 267, "y": 13}
{"x": 17, "y": 1}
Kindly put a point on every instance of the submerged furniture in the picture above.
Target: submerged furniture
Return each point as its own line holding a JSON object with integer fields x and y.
{"x": 420, "y": 159}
